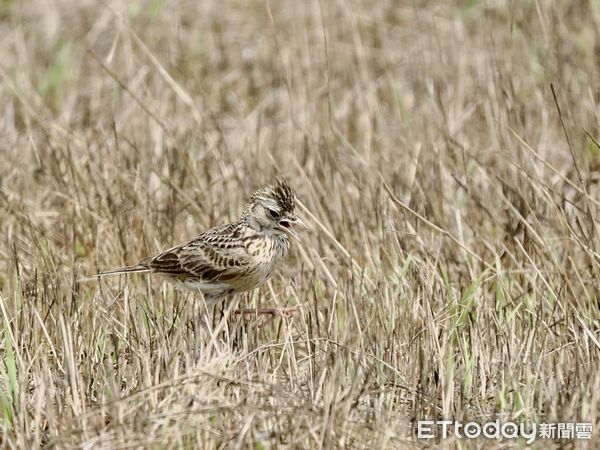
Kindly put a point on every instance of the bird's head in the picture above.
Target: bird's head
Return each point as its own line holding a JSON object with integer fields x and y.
{"x": 272, "y": 208}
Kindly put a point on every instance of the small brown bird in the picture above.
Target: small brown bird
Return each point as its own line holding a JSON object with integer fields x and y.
{"x": 234, "y": 257}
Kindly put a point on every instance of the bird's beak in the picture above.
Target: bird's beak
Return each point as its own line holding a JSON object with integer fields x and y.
{"x": 289, "y": 224}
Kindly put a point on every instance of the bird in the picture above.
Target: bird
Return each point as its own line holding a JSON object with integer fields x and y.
{"x": 230, "y": 258}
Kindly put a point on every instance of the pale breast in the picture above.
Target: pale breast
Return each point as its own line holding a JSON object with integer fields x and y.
{"x": 267, "y": 252}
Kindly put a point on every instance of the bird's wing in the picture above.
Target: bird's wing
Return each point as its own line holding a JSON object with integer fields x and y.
{"x": 216, "y": 256}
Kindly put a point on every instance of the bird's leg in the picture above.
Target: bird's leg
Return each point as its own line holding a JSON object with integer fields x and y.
{"x": 273, "y": 312}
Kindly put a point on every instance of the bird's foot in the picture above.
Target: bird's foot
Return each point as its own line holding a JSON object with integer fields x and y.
{"x": 282, "y": 312}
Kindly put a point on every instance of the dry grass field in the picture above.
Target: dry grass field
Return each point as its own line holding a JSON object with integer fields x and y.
{"x": 446, "y": 158}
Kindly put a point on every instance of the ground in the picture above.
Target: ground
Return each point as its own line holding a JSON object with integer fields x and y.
{"x": 446, "y": 161}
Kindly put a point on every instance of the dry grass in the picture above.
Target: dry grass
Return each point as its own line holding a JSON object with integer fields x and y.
{"x": 452, "y": 265}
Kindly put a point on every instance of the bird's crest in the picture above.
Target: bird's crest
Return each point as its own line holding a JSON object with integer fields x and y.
{"x": 281, "y": 193}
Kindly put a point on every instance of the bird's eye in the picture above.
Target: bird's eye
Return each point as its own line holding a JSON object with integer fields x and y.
{"x": 274, "y": 214}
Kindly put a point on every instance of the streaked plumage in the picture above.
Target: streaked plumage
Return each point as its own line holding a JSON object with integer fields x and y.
{"x": 230, "y": 258}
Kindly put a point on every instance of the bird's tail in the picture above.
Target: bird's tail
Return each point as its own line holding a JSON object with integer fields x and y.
{"x": 119, "y": 271}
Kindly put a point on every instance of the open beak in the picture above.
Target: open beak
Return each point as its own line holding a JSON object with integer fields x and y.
{"x": 289, "y": 224}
